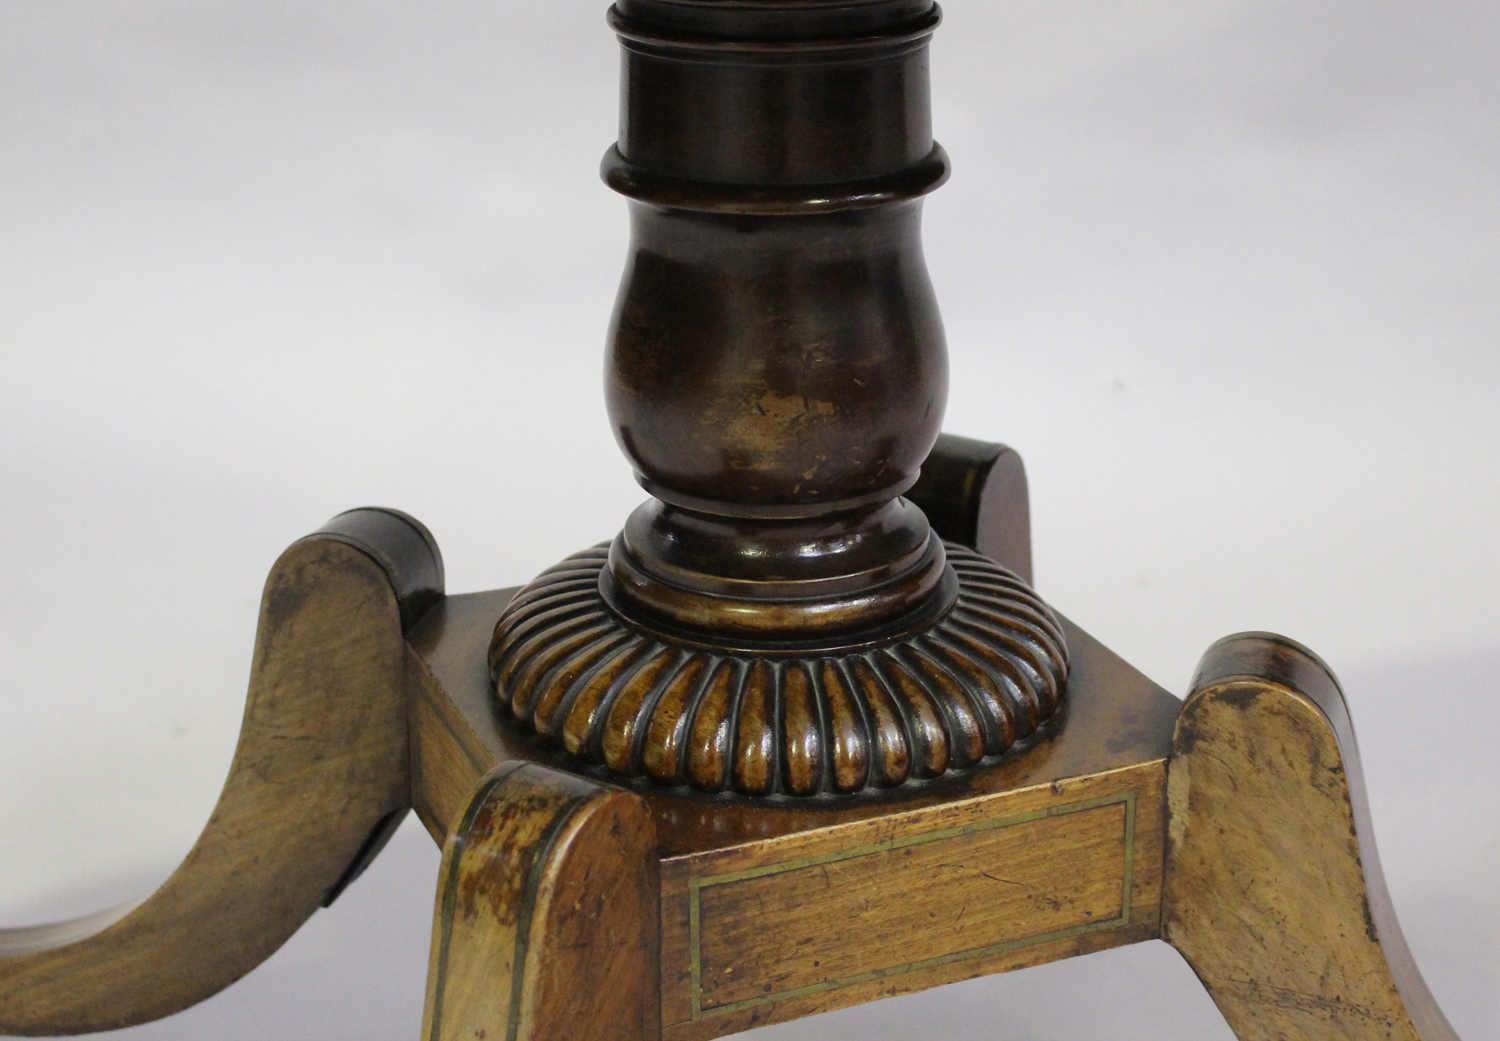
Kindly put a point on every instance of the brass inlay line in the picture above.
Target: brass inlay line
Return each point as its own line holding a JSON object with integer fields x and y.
{"x": 449, "y": 891}
{"x": 697, "y": 885}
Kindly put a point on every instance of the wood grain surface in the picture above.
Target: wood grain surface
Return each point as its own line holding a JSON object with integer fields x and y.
{"x": 1273, "y": 891}
{"x": 817, "y": 920}
{"x": 1038, "y": 812}
{"x": 975, "y": 493}
{"x": 546, "y": 915}
{"x": 318, "y": 778}
{"x": 942, "y": 694}
{"x": 966, "y": 889}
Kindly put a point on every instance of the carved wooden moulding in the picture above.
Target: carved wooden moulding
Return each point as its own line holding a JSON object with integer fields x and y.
{"x": 778, "y": 619}
{"x": 946, "y": 688}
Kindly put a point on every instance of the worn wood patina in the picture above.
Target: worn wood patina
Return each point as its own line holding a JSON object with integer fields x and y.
{"x": 803, "y": 735}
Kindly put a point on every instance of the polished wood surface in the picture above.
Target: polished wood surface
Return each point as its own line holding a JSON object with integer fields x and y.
{"x": 1118, "y": 719}
{"x": 779, "y": 748}
{"x": 570, "y": 905}
{"x": 546, "y": 921}
{"x": 940, "y": 694}
{"x": 1274, "y": 892}
{"x": 774, "y": 93}
{"x": 783, "y": 927}
{"x": 1077, "y": 819}
{"x": 777, "y": 370}
{"x": 975, "y": 493}
{"x": 318, "y": 782}
{"x": 778, "y": 619}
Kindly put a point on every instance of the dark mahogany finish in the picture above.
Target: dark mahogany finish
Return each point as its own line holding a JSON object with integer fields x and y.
{"x": 777, "y": 370}
{"x": 774, "y": 93}
{"x": 777, "y": 619}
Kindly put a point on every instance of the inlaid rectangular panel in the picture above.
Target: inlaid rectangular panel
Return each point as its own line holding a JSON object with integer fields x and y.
{"x": 782, "y": 931}
{"x": 794, "y": 927}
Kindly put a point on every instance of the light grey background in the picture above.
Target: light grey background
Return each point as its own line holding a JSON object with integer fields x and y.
{"x": 1225, "y": 271}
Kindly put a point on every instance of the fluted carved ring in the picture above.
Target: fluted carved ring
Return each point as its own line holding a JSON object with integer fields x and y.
{"x": 982, "y": 677}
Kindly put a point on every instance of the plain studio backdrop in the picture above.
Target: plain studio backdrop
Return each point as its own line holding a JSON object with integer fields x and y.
{"x": 1227, "y": 272}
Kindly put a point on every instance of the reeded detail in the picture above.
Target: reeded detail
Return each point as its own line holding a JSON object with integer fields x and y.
{"x": 984, "y": 676}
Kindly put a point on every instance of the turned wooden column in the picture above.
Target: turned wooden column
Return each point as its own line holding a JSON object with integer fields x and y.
{"x": 777, "y": 371}
{"x": 777, "y": 618}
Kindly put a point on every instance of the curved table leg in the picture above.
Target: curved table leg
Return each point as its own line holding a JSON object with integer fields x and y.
{"x": 319, "y": 781}
{"x": 547, "y": 918}
{"x": 1273, "y": 889}
{"x": 975, "y": 493}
